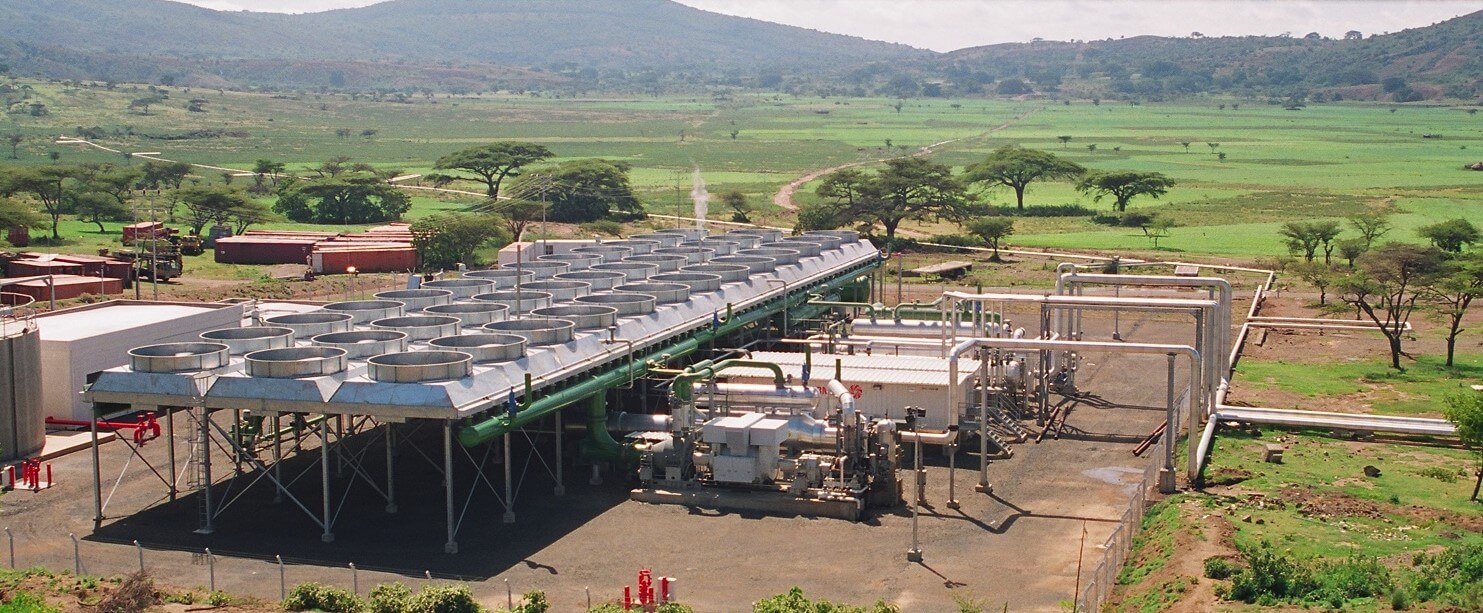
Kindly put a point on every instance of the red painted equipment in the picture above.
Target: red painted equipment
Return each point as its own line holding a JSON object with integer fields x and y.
{"x": 30, "y": 476}
{"x": 147, "y": 428}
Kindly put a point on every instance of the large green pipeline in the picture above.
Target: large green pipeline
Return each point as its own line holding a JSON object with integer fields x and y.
{"x": 489, "y": 429}
{"x": 682, "y": 384}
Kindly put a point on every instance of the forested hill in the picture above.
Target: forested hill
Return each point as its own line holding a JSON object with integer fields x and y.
{"x": 653, "y": 46}
{"x": 1444, "y": 59}
{"x": 552, "y": 35}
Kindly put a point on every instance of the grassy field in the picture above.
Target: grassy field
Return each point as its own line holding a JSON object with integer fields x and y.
{"x": 1317, "y": 507}
{"x": 1325, "y": 161}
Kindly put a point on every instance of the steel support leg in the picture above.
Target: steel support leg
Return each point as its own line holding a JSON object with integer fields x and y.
{"x": 451, "y": 546}
{"x": 170, "y": 447}
{"x": 236, "y": 431}
{"x": 509, "y": 484}
{"x": 278, "y": 457}
{"x": 97, "y": 476}
{"x": 1166, "y": 474}
{"x": 209, "y": 518}
{"x": 390, "y": 469}
{"x": 983, "y": 426}
{"x": 324, "y": 477}
{"x": 560, "y": 483}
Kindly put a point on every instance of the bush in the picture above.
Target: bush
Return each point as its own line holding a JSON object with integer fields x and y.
{"x": 390, "y": 598}
{"x": 957, "y": 240}
{"x": 602, "y": 226}
{"x": 532, "y": 602}
{"x": 1454, "y": 576}
{"x": 313, "y": 596}
{"x": 1220, "y": 568}
{"x": 1341, "y": 582}
{"x": 1270, "y": 577}
{"x": 1056, "y": 210}
{"x": 451, "y": 599}
{"x": 795, "y": 602}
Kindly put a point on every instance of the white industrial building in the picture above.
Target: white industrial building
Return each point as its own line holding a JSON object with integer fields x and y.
{"x": 80, "y": 341}
{"x": 883, "y": 386}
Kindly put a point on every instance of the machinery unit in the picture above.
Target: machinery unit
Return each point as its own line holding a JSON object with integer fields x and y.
{"x": 778, "y": 462}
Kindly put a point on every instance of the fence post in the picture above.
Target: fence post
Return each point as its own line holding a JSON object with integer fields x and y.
{"x": 509, "y": 596}
{"x": 140, "y": 549}
{"x": 354, "y": 580}
{"x": 282, "y": 580}
{"x": 11, "y": 538}
{"x": 76, "y": 555}
{"x": 211, "y": 570}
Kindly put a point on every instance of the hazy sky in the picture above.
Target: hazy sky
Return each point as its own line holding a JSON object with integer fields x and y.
{"x": 945, "y": 25}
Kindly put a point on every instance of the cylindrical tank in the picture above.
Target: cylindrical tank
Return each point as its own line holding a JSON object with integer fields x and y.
{"x": 639, "y": 247}
{"x": 543, "y": 269}
{"x": 635, "y": 271}
{"x": 417, "y": 299}
{"x": 628, "y": 304}
{"x": 665, "y": 239}
{"x": 783, "y": 257}
{"x": 600, "y": 280}
{"x": 576, "y": 261}
{"x": 22, "y": 420}
{"x": 692, "y": 255}
{"x": 561, "y": 291}
{"x": 729, "y": 273}
{"x": 805, "y": 248}
{"x": 756, "y": 263}
{"x": 462, "y": 289}
{"x": 666, "y": 263}
{"x": 503, "y": 277}
{"x": 699, "y": 282}
{"x": 610, "y": 254}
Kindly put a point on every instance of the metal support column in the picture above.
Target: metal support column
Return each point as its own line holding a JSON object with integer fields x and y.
{"x": 983, "y": 427}
{"x": 451, "y": 546}
{"x": 390, "y": 469}
{"x": 509, "y": 484}
{"x": 208, "y": 515}
{"x": 1171, "y": 424}
{"x": 170, "y": 446}
{"x": 560, "y": 483}
{"x": 324, "y": 477}
{"x": 278, "y": 456}
{"x": 97, "y": 476}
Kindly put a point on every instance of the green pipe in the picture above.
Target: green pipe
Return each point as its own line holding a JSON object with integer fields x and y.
{"x": 600, "y": 444}
{"x": 818, "y": 300}
{"x": 683, "y": 381}
{"x": 484, "y": 431}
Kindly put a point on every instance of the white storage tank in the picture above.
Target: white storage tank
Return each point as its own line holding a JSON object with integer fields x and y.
{"x": 22, "y": 421}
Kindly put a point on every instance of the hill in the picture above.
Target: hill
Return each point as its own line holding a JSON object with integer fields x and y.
{"x": 120, "y": 38}
{"x": 1444, "y": 59}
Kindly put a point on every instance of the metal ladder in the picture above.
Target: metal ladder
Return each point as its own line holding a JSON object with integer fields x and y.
{"x": 196, "y": 477}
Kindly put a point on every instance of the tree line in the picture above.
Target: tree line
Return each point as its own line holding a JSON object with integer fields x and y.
{"x": 918, "y": 189}
{"x": 1387, "y": 283}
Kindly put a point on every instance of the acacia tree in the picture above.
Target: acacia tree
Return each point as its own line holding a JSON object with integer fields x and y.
{"x": 210, "y": 204}
{"x": 1451, "y": 235}
{"x": 15, "y": 141}
{"x": 47, "y": 184}
{"x": 13, "y": 214}
{"x": 1300, "y": 238}
{"x": 583, "y": 190}
{"x": 494, "y": 162}
{"x": 1016, "y": 167}
{"x": 992, "y": 230}
{"x": 910, "y": 188}
{"x": 1371, "y": 225}
{"x": 1465, "y": 411}
{"x": 445, "y": 241}
{"x": 1123, "y": 186}
{"x": 1386, "y": 285}
{"x": 741, "y": 210}
{"x": 347, "y": 198}
{"x": 1453, "y": 291}
{"x": 516, "y": 215}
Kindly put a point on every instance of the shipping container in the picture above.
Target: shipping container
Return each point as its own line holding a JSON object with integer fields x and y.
{"x": 333, "y": 261}
{"x": 67, "y": 287}
{"x": 34, "y": 267}
{"x": 255, "y": 249}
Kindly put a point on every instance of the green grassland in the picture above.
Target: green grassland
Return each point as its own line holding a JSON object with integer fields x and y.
{"x": 1325, "y": 161}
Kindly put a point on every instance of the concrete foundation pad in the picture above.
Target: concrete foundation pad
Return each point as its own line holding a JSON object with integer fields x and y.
{"x": 773, "y": 503}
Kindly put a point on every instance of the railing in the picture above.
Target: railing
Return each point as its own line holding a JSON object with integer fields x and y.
{"x": 16, "y": 318}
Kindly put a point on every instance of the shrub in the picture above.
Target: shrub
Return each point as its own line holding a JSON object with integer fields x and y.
{"x": 1220, "y": 568}
{"x": 27, "y": 602}
{"x": 602, "y": 226}
{"x": 1270, "y": 577}
{"x": 957, "y": 240}
{"x": 1439, "y": 473}
{"x": 390, "y": 598}
{"x": 451, "y": 599}
{"x": 1454, "y": 576}
{"x": 1341, "y": 582}
{"x": 313, "y": 596}
{"x": 1056, "y": 210}
{"x": 532, "y": 602}
{"x": 219, "y": 599}
{"x": 795, "y": 602}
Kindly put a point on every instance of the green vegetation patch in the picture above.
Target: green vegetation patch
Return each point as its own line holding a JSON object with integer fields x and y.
{"x": 1417, "y": 390}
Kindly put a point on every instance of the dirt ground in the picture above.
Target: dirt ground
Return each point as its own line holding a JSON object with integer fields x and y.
{"x": 594, "y": 539}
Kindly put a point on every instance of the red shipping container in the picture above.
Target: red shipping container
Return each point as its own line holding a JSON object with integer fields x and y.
{"x": 252, "y": 249}
{"x": 67, "y": 287}
{"x": 32, "y": 268}
{"x": 368, "y": 260}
